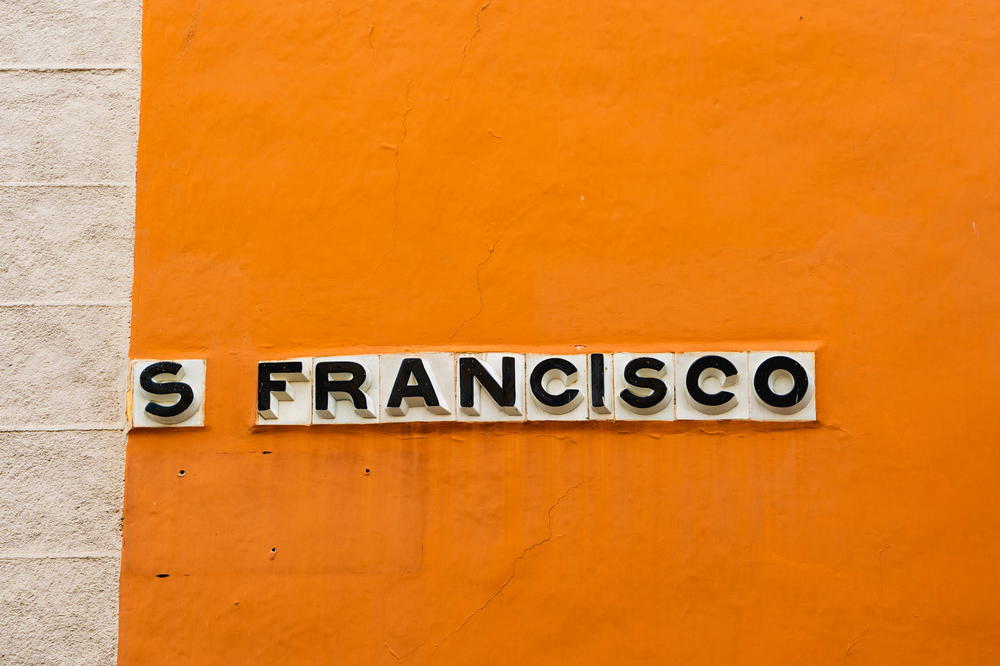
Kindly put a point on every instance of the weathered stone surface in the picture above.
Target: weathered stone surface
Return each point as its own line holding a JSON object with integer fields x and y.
{"x": 66, "y": 243}
{"x": 63, "y": 365}
{"x": 69, "y": 32}
{"x": 60, "y": 492}
{"x": 58, "y": 610}
{"x": 68, "y": 126}
{"x": 69, "y": 88}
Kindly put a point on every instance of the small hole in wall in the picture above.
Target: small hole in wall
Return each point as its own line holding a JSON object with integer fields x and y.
{"x": 368, "y": 470}
{"x": 181, "y": 472}
{"x": 274, "y": 550}
{"x": 163, "y": 575}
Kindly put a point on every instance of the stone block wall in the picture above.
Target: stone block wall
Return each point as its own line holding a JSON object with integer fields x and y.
{"x": 69, "y": 90}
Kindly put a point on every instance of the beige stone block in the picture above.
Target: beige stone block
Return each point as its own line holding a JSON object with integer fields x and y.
{"x": 69, "y": 31}
{"x": 62, "y": 491}
{"x": 58, "y": 611}
{"x": 68, "y": 126}
{"x": 66, "y": 243}
{"x": 63, "y": 365}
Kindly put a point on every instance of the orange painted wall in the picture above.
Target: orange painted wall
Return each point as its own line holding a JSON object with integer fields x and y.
{"x": 323, "y": 177}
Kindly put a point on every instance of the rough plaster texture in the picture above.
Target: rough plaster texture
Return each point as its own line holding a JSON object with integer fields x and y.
{"x": 69, "y": 33}
{"x": 68, "y": 123}
{"x": 67, "y": 362}
{"x": 58, "y": 609}
{"x": 71, "y": 504}
{"x": 70, "y": 241}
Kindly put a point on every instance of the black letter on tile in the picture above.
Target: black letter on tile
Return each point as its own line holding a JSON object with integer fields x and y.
{"x": 348, "y": 388}
{"x": 538, "y": 389}
{"x": 503, "y": 393}
{"x": 762, "y": 384}
{"x": 148, "y": 384}
{"x": 279, "y": 387}
{"x": 657, "y": 387}
{"x": 597, "y": 384}
{"x": 702, "y": 364}
{"x": 423, "y": 390}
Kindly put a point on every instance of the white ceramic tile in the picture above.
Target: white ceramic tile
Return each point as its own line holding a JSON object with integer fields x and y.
{"x": 600, "y": 387}
{"x": 357, "y": 400}
{"x": 714, "y": 382}
{"x": 190, "y": 372}
{"x": 557, "y": 383}
{"x": 484, "y": 407}
{"x": 644, "y": 367}
{"x": 289, "y": 402}
{"x": 777, "y": 382}
{"x": 437, "y": 380}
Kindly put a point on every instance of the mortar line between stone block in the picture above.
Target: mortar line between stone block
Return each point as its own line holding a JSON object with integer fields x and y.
{"x": 66, "y": 67}
{"x": 64, "y": 304}
{"x": 59, "y": 556}
{"x": 70, "y": 427}
{"x": 41, "y": 183}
